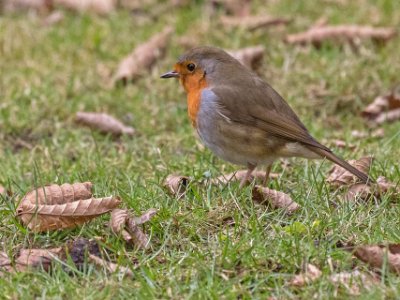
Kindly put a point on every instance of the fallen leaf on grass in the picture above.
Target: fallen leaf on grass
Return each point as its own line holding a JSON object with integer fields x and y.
{"x": 275, "y": 198}
{"x": 3, "y": 191}
{"x": 253, "y": 22}
{"x": 378, "y": 133}
{"x": 384, "y": 108}
{"x": 310, "y": 274}
{"x": 104, "y": 123}
{"x": 361, "y": 191}
{"x": 28, "y": 259}
{"x": 122, "y": 222}
{"x": 251, "y": 57}
{"x": 101, "y": 7}
{"x": 62, "y": 206}
{"x": 54, "y": 18}
{"x": 58, "y": 194}
{"x": 343, "y": 144}
{"x": 109, "y": 266}
{"x": 341, "y": 33}
{"x": 59, "y": 216}
{"x": 354, "y": 281}
{"x": 176, "y": 184}
{"x": 339, "y": 176}
{"x": 377, "y": 255}
{"x": 239, "y": 8}
{"x": 41, "y": 6}
{"x": 237, "y": 176}
{"x": 143, "y": 57}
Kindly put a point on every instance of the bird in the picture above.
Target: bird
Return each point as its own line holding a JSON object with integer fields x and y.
{"x": 240, "y": 117}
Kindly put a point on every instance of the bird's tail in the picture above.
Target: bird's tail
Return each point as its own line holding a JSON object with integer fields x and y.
{"x": 339, "y": 161}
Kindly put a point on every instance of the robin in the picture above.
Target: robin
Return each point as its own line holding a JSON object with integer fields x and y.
{"x": 240, "y": 117}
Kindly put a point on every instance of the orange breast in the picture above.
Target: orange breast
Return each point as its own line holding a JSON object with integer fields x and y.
{"x": 193, "y": 85}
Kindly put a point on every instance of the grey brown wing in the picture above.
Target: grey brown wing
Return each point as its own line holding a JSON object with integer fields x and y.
{"x": 264, "y": 109}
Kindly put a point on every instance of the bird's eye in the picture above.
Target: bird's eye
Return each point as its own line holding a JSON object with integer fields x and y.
{"x": 191, "y": 67}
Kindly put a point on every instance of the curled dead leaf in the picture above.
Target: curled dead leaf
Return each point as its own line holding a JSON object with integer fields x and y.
{"x": 143, "y": 57}
{"x": 383, "y": 105}
{"x": 253, "y": 22}
{"x": 239, "y": 175}
{"x": 361, "y": 191}
{"x": 58, "y": 194}
{"x": 354, "y": 281}
{"x": 41, "y": 6}
{"x": 118, "y": 220}
{"x": 341, "y": 33}
{"x": 110, "y": 266}
{"x": 104, "y": 123}
{"x": 275, "y": 198}
{"x": 36, "y": 258}
{"x": 310, "y": 274}
{"x": 176, "y": 184}
{"x": 127, "y": 225}
{"x": 100, "y": 7}
{"x": 3, "y": 191}
{"x": 390, "y": 116}
{"x": 251, "y": 57}
{"x": 42, "y": 217}
{"x": 339, "y": 176}
{"x": 377, "y": 255}
{"x": 54, "y": 18}
{"x": 239, "y": 8}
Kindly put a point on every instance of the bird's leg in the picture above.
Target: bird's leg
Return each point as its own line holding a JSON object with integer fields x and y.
{"x": 250, "y": 169}
{"x": 267, "y": 172}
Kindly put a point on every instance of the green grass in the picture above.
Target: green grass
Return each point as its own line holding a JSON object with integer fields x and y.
{"x": 48, "y": 74}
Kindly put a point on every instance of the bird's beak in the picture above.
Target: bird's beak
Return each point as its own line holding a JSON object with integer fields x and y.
{"x": 170, "y": 74}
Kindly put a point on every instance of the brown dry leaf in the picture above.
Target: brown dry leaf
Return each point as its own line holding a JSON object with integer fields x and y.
{"x": 127, "y": 225}
{"x": 237, "y": 176}
{"x": 58, "y": 216}
{"x": 100, "y": 7}
{"x": 383, "y": 104}
{"x": 253, "y": 22}
{"x": 251, "y": 57}
{"x": 376, "y": 255}
{"x": 390, "y": 116}
{"x": 239, "y": 8}
{"x": 103, "y": 123}
{"x": 5, "y": 264}
{"x": 384, "y": 185}
{"x": 143, "y": 57}
{"x": 36, "y": 258}
{"x": 275, "y": 198}
{"x": 310, "y": 274}
{"x": 54, "y": 18}
{"x": 341, "y": 33}
{"x": 354, "y": 281}
{"x": 361, "y": 191}
{"x": 3, "y": 191}
{"x": 110, "y": 266}
{"x": 339, "y": 176}
{"x": 343, "y": 144}
{"x": 176, "y": 184}
{"x": 377, "y": 133}
{"x": 41, "y": 6}
{"x": 58, "y": 194}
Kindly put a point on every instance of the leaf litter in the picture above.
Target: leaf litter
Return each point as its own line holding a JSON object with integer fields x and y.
{"x": 385, "y": 108}
{"x": 340, "y": 34}
{"x": 275, "y": 199}
{"x": 143, "y": 57}
{"x": 124, "y": 224}
{"x": 66, "y": 206}
{"x": 104, "y": 123}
